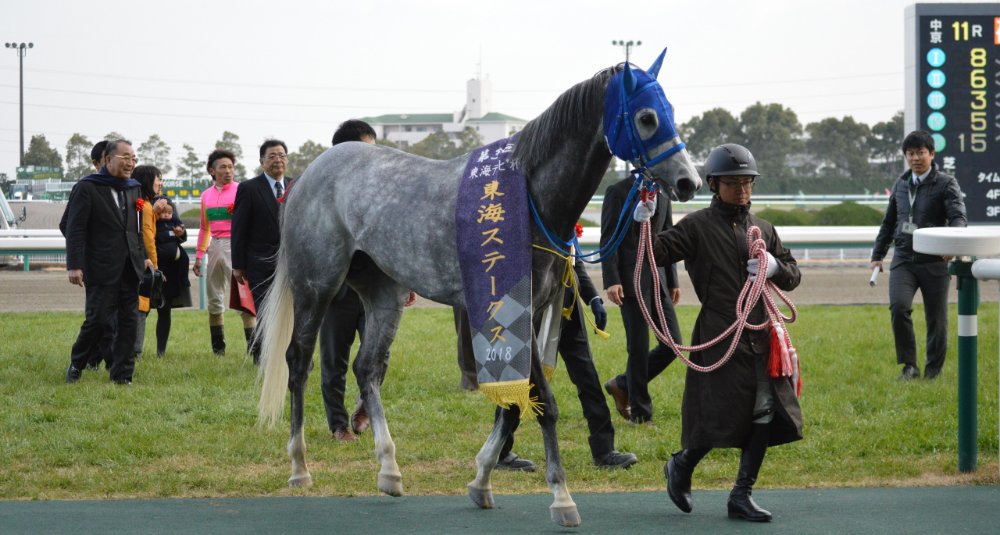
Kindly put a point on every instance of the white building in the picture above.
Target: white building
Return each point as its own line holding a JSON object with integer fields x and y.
{"x": 409, "y": 128}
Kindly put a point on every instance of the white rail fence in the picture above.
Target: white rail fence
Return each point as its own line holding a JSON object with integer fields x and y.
{"x": 28, "y": 243}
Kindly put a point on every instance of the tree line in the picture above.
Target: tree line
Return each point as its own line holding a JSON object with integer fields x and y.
{"x": 191, "y": 165}
{"x": 828, "y": 156}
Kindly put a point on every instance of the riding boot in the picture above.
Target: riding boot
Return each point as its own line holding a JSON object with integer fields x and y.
{"x": 218, "y": 340}
{"x": 741, "y": 505}
{"x": 678, "y": 472}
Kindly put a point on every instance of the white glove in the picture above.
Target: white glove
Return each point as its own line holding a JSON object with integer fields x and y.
{"x": 644, "y": 210}
{"x": 753, "y": 265}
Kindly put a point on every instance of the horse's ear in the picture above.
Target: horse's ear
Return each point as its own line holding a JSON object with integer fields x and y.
{"x": 629, "y": 80}
{"x": 654, "y": 69}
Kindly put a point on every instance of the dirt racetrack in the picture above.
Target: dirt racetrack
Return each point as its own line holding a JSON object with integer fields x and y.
{"x": 48, "y": 289}
{"x": 824, "y": 280}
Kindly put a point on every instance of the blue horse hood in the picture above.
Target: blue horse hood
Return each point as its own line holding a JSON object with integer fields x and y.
{"x": 620, "y": 106}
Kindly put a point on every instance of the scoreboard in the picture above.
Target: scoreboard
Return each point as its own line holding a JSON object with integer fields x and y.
{"x": 953, "y": 92}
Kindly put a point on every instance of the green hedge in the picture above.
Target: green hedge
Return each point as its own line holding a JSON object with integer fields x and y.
{"x": 847, "y": 213}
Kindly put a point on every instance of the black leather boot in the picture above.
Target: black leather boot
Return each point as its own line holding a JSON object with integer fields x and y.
{"x": 218, "y": 340}
{"x": 678, "y": 472}
{"x": 253, "y": 348}
{"x": 248, "y": 333}
{"x": 741, "y": 505}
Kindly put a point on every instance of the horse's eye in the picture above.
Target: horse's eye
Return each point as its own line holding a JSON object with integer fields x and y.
{"x": 648, "y": 119}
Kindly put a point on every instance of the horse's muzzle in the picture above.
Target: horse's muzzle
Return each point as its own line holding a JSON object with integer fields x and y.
{"x": 686, "y": 188}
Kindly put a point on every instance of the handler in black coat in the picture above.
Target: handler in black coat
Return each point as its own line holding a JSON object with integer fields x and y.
{"x": 256, "y": 231}
{"x": 104, "y": 253}
{"x": 737, "y": 405}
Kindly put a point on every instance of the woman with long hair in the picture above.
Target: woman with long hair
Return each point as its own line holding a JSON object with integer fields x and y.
{"x": 151, "y": 182}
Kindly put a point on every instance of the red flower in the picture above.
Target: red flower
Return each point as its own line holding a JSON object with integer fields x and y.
{"x": 579, "y": 230}
{"x": 229, "y": 209}
{"x": 139, "y": 203}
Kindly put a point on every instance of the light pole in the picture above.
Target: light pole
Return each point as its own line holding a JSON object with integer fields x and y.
{"x": 22, "y": 50}
{"x": 627, "y": 45}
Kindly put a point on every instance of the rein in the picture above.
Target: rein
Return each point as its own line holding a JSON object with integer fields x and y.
{"x": 750, "y": 295}
{"x": 640, "y": 187}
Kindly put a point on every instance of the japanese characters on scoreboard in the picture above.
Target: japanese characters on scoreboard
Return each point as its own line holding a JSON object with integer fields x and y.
{"x": 958, "y": 57}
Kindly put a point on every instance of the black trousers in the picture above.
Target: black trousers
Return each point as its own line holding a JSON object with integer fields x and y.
{"x": 932, "y": 280}
{"x": 575, "y": 352}
{"x": 110, "y": 308}
{"x": 259, "y": 282}
{"x": 102, "y": 351}
{"x": 344, "y": 317}
{"x": 466, "y": 356}
{"x": 644, "y": 365}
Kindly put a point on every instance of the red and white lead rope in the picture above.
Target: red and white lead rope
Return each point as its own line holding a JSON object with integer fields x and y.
{"x": 784, "y": 360}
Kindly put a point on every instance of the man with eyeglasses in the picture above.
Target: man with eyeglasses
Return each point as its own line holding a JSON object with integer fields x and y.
{"x": 921, "y": 197}
{"x": 737, "y": 405}
{"x": 256, "y": 231}
{"x": 102, "y": 351}
{"x": 105, "y": 254}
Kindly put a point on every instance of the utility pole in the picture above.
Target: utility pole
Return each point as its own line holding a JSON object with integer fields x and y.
{"x": 22, "y": 50}
{"x": 627, "y": 45}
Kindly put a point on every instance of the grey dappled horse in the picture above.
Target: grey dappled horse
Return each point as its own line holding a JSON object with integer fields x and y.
{"x": 383, "y": 221}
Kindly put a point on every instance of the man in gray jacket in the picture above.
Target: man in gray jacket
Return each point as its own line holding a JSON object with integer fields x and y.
{"x": 922, "y": 197}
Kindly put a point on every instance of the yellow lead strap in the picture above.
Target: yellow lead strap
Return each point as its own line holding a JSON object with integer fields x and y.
{"x": 569, "y": 281}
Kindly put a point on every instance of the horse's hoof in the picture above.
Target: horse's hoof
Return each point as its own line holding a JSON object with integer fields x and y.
{"x": 391, "y": 484}
{"x": 566, "y": 516}
{"x": 483, "y": 498}
{"x": 300, "y": 481}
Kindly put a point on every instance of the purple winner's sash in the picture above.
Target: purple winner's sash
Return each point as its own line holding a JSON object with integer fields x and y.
{"x": 493, "y": 234}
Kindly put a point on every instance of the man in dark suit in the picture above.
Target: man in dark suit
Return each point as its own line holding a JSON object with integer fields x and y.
{"x": 104, "y": 251}
{"x": 344, "y": 317}
{"x": 575, "y": 352}
{"x": 256, "y": 229}
{"x": 102, "y": 351}
{"x": 631, "y": 390}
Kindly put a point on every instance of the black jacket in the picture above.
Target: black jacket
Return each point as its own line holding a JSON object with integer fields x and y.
{"x": 619, "y": 266}
{"x": 938, "y": 204}
{"x": 256, "y": 231}
{"x": 98, "y": 241}
{"x": 717, "y": 410}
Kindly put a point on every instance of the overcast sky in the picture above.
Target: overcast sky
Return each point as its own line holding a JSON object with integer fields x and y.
{"x": 189, "y": 70}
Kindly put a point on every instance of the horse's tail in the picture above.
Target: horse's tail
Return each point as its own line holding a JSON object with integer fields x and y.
{"x": 276, "y": 317}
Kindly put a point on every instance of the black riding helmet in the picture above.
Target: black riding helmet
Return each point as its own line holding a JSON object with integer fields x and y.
{"x": 730, "y": 160}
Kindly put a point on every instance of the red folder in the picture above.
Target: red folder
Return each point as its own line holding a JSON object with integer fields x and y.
{"x": 240, "y": 297}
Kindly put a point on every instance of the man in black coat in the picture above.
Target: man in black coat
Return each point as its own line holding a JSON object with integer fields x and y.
{"x": 575, "y": 352}
{"x": 102, "y": 351}
{"x": 256, "y": 228}
{"x": 738, "y": 404}
{"x": 631, "y": 389}
{"x": 104, "y": 253}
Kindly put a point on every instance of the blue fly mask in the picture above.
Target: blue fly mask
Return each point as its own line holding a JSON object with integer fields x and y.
{"x": 638, "y": 117}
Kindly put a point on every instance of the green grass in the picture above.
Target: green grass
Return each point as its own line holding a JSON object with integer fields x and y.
{"x": 186, "y": 427}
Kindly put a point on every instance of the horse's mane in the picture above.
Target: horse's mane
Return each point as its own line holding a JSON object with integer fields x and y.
{"x": 579, "y": 105}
